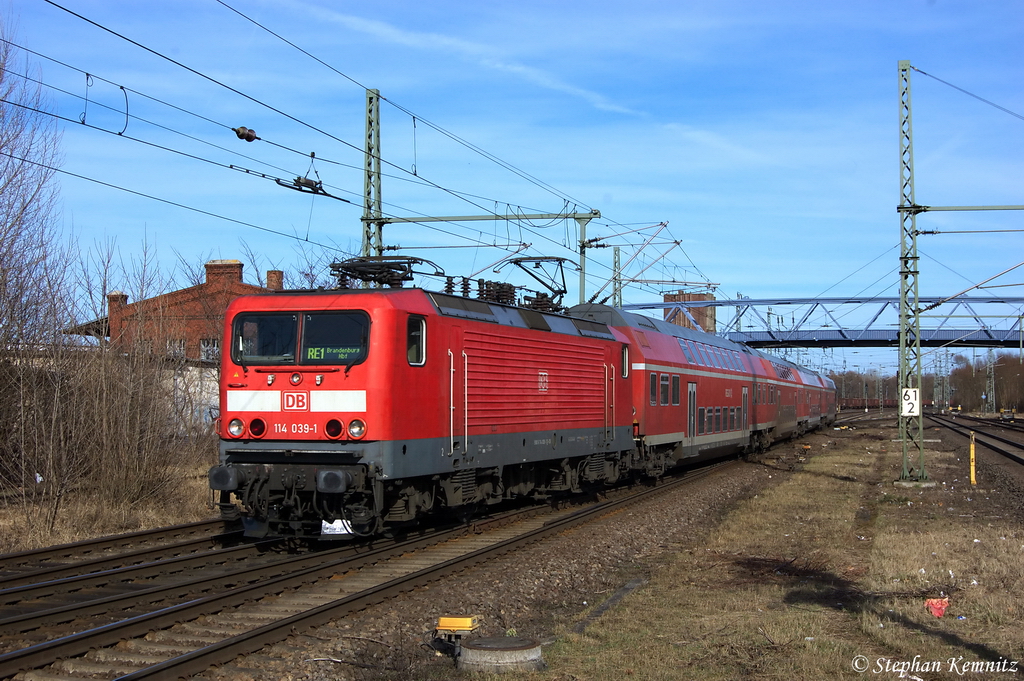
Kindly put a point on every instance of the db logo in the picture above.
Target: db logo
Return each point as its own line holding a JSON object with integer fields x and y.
{"x": 296, "y": 401}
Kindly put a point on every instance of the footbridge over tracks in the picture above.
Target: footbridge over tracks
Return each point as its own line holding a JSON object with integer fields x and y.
{"x": 964, "y": 321}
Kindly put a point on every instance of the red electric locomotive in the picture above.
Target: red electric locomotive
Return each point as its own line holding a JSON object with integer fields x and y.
{"x": 348, "y": 411}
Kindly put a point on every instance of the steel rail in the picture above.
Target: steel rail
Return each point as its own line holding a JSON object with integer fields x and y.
{"x": 991, "y": 423}
{"x": 129, "y": 573}
{"x": 344, "y": 559}
{"x": 199, "y": 660}
{"x": 110, "y": 564}
{"x": 250, "y": 575}
{"x": 191, "y": 663}
{"x": 980, "y": 438}
{"x": 94, "y": 546}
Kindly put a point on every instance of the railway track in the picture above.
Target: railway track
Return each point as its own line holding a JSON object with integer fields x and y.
{"x": 109, "y": 548}
{"x": 237, "y": 613}
{"x": 854, "y": 417}
{"x": 987, "y": 423}
{"x": 1010, "y": 448}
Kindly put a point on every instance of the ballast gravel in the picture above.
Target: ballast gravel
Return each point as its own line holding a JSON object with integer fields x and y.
{"x": 534, "y": 592}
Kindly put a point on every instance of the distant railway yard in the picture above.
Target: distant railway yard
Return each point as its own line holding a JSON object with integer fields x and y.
{"x": 804, "y": 563}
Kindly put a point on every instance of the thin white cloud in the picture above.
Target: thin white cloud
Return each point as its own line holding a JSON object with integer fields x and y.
{"x": 482, "y": 54}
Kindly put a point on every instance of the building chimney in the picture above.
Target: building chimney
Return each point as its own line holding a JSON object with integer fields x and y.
{"x": 704, "y": 316}
{"x": 116, "y": 303}
{"x": 275, "y": 280}
{"x": 224, "y": 273}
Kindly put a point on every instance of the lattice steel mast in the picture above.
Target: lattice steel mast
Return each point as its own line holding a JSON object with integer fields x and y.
{"x": 373, "y": 243}
{"x": 911, "y": 427}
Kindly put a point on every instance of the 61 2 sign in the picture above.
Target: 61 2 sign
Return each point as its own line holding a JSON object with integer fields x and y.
{"x": 910, "y": 404}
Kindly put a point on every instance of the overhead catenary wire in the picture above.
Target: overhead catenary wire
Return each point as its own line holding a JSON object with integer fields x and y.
{"x": 193, "y": 209}
{"x": 460, "y": 195}
{"x": 169, "y": 202}
{"x": 249, "y": 97}
{"x": 208, "y": 161}
{"x": 512, "y": 215}
{"x": 197, "y": 139}
{"x": 404, "y": 177}
{"x": 970, "y": 94}
{"x": 415, "y": 117}
{"x": 138, "y": 140}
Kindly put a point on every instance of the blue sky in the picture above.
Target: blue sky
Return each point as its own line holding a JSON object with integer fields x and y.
{"x": 765, "y": 134}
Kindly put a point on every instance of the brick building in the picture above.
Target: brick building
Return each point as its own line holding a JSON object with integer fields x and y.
{"x": 187, "y": 323}
{"x": 184, "y": 327}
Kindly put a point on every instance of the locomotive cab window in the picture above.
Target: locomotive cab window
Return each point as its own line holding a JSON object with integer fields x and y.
{"x": 326, "y": 338}
{"x": 625, "y": 361}
{"x": 416, "y": 341}
{"x": 265, "y": 338}
{"x": 335, "y": 337}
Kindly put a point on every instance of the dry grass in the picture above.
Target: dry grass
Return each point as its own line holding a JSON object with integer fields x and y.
{"x": 831, "y": 564}
{"x": 185, "y": 498}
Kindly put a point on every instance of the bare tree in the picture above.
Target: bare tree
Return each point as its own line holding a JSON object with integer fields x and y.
{"x": 29, "y": 154}
{"x": 37, "y": 366}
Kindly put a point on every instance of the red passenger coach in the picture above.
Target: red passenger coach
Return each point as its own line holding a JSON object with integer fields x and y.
{"x": 346, "y": 412}
{"x": 697, "y": 395}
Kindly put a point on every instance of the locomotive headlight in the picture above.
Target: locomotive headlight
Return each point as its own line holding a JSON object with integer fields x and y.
{"x": 236, "y": 428}
{"x": 356, "y": 429}
{"x": 296, "y": 379}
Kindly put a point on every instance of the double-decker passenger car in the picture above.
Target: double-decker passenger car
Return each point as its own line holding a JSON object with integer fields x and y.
{"x": 349, "y": 411}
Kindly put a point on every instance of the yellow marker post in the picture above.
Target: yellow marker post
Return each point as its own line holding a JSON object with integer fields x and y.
{"x": 973, "y": 480}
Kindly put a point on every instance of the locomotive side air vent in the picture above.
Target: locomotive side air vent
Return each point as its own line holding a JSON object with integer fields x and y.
{"x": 470, "y": 308}
{"x": 592, "y": 329}
{"x": 534, "y": 320}
{"x": 644, "y": 321}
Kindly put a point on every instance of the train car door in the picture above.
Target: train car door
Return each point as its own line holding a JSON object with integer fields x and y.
{"x": 691, "y": 414}
{"x": 609, "y": 395}
{"x": 458, "y": 385}
{"x": 744, "y": 419}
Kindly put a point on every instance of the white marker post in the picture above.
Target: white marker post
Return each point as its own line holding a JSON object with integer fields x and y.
{"x": 910, "y": 402}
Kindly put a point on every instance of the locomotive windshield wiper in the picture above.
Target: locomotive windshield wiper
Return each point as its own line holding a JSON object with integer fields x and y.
{"x": 241, "y": 355}
{"x": 359, "y": 355}
{"x": 348, "y": 367}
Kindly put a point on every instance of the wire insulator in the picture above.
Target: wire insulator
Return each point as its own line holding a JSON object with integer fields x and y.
{"x": 244, "y": 133}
